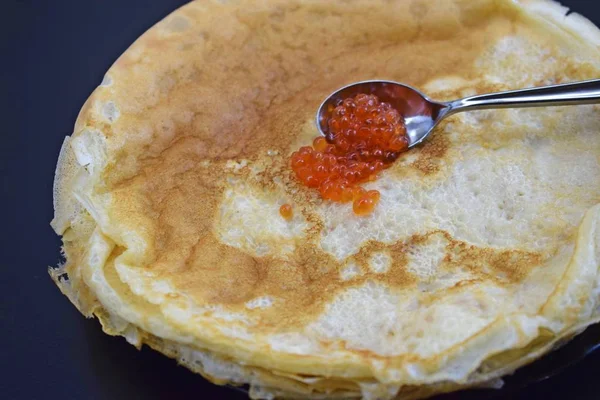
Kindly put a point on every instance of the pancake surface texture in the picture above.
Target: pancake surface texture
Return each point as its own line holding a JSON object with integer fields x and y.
{"x": 481, "y": 256}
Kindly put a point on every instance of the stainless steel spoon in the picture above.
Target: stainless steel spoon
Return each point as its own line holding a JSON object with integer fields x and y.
{"x": 421, "y": 114}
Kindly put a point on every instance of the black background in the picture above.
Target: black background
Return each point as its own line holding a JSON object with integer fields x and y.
{"x": 53, "y": 54}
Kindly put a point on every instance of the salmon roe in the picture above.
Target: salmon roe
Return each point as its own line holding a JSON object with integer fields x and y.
{"x": 286, "y": 212}
{"x": 365, "y": 136}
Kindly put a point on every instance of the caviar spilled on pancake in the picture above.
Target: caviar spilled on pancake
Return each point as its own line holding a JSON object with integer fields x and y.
{"x": 365, "y": 136}
{"x": 286, "y": 211}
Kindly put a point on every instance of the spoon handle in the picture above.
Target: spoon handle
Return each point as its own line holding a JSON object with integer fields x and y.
{"x": 585, "y": 92}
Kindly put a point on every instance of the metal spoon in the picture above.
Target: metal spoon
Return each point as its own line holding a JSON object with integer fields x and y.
{"x": 421, "y": 114}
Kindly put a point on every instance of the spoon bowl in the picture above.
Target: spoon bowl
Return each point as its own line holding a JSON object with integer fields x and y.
{"x": 421, "y": 114}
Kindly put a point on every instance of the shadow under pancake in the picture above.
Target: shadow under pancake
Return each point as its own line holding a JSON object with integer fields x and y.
{"x": 125, "y": 372}
{"x": 558, "y": 362}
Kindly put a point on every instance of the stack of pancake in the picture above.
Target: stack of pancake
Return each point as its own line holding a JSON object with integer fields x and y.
{"x": 481, "y": 256}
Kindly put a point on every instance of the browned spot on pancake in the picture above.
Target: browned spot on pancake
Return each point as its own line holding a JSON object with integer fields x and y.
{"x": 497, "y": 265}
{"x": 397, "y": 275}
{"x": 432, "y": 151}
{"x": 223, "y": 275}
{"x": 308, "y": 282}
{"x": 501, "y": 266}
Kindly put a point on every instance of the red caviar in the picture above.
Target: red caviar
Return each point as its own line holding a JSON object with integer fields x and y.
{"x": 365, "y": 203}
{"x": 286, "y": 211}
{"x": 365, "y": 136}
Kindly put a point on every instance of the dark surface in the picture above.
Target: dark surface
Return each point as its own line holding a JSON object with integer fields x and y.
{"x": 54, "y": 53}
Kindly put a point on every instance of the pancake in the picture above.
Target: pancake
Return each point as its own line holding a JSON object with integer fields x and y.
{"x": 481, "y": 256}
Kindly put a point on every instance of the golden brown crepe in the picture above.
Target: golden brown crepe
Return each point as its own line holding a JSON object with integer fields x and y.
{"x": 481, "y": 255}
